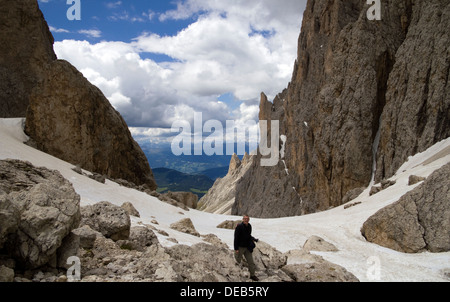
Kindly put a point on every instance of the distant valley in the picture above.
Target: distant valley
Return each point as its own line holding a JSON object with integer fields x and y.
{"x": 176, "y": 181}
{"x": 162, "y": 157}
{"x": 184, "y": 173}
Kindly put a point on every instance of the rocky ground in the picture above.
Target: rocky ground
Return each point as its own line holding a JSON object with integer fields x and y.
{"x": 53, "y": 228}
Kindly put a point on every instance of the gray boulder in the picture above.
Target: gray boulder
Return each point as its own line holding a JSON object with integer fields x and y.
{"x": 110, "y": 220}
{"x": 418, "y": 221}
{"x": 186, "y": 226}
{"x": 140, "y": 238}
{"x": 203, "y": 262}
{"x": 130, "y": 209}
{"x": 6, "y": 274}
{"x": 318, "y": 271}
{"x": 228, "y": 224}
{"x": 266, "y": 257}
{"x": 316, "y": 243}
{"x": 302, "y": 266}
{"x": 39, "y": 209}
{"x": 86, "y": 236}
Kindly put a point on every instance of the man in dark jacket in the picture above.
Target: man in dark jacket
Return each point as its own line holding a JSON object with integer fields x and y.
{"x": 244, "y": 244}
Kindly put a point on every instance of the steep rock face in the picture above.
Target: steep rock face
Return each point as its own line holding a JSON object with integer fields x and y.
{"x": 27, "y": 46}
{"x": 71, "y": 119}
{"x": 67, "y": 116}
{"x": 220, "y": 198}
{"x": 417, "y": 111}
{"x": 268, "y": 191}
{"x": 343, "y": 93}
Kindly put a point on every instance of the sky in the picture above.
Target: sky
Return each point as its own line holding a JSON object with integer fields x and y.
{"x": 159, "y": 62}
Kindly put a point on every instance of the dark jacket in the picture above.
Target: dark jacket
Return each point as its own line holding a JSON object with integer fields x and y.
{"x": 243, "y": 237}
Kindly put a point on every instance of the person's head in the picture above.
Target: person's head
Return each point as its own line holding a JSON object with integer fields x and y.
{"x": 245, "y": 219}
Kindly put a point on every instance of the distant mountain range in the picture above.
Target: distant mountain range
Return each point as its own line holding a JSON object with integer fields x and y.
{"x": 162, "y": 157}
{"x": 175, "y": 181}
{"x": 194, "y": 173}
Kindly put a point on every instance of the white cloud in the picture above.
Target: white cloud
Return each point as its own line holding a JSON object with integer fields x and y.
{"x": 92, "y": 33}
{"x": 112, "y": 5}
{"x": 237, "y": 47}
{"x": 58, "y": 30}
{"x": 244, "y": 48}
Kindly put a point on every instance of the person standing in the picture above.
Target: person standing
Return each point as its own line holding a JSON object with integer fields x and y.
{"x": 244, "y": 244}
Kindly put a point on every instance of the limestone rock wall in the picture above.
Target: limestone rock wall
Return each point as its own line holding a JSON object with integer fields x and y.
{"x": 27, "y": 46}
{"x": 354, "y": 80}
{"x": 71, "y": 119}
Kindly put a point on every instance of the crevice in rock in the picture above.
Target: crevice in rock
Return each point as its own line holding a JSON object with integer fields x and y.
{"x": 384, "y": 66}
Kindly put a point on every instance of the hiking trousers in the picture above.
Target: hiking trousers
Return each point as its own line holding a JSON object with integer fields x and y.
{"x": 243, "y": 251}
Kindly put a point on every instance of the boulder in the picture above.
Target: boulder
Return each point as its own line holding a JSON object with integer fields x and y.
{"x": 203, "y": 262}
{"x": 267, "y": 257}
{"x": 110, "y": 220}
{"x": 86, "y": 236}
{"x": 214, "y": 240}
{"x": 130, "y": 209}
{"x": 316, "y": 243}
{"x": 302, "y": 266}
{"x": 319, "y": 271}
{"x": 228, "y": 224}
{"x": 39, "y": 209}
{"x": 140, "y": 239}
{"x": 418, "y": 221}
{"x": 6, "y": 274}
{"x": 186, "y": 226}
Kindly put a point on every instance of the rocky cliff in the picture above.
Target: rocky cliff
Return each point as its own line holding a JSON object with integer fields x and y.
{"x": 220, "y": 198}
{"x": 417, "y": 111}
{"x": 66, "y": 116}
{"x": 27, "y": 45}
{"x": 356, "y": 82}
{"x": 71, "y": 119}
